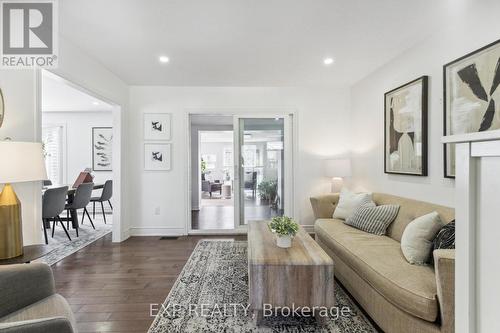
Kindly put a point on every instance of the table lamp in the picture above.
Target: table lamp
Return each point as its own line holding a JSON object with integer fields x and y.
{"x": 19, "y": 162}
{"x": 337, "y": 169}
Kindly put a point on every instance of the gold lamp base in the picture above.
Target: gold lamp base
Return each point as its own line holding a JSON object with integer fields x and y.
{"x": 11, "y": 229}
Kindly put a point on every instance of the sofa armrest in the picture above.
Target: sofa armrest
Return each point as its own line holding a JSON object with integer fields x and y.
{"x": 45, "y": 325}
{"x": 324, "y": 205}
{"x": 23, "y": 285}
{"x": 444, "y": 264}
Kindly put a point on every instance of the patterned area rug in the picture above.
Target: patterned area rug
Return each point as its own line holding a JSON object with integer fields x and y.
{"x": 62, "y": 247}
{"x": 212, "y": 291}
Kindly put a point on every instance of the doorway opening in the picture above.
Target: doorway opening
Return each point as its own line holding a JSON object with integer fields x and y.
{"x": 80, "y": 133}
{"x": 238, "y": 170}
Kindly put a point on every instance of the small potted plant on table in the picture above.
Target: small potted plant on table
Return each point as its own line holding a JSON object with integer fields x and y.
{"x": 285, "y": 228}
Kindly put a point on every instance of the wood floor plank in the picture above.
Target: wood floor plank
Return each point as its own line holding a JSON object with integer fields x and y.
{"x": 110, "y": 286}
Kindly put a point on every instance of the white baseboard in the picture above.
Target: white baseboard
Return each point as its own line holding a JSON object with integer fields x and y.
{"x": 155, "y": 231}
{"x": 309, "y": 228}
{"x": 125, "y": 235}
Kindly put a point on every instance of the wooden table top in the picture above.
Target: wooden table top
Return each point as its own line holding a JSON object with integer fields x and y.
{"x": 30, "y": 253}
{"x": 71, "y": 189}
{"x": 262, "y": 248}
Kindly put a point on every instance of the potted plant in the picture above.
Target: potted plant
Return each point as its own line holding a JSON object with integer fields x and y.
{"x": 285, "y": 229}
{"x": 268, "y": 190}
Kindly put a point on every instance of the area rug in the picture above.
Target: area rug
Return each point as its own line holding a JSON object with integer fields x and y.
{"x": 62, "y": 247}
{"x": 212, "y": 291}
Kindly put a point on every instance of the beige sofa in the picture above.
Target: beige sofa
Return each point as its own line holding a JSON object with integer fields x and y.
{"x": 399, "y": 297}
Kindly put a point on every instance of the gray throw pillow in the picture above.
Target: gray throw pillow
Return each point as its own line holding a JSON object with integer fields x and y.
{"x": 373, "y": 219}
{"x": 416, "y": 242}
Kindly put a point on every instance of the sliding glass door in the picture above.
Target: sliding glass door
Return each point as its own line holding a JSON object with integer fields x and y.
{"x": 263, "y": 168}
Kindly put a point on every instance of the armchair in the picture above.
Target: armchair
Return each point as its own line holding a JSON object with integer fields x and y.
{"x": 29, "y": 302}
{"x": 208, "y": 186}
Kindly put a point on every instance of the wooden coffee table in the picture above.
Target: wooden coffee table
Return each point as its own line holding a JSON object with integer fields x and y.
{"x": 297, "y": 277}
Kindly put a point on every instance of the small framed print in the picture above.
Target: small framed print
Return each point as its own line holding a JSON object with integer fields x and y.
{"x": 406, "y": 129}
{"x": 158, "y": 126}
{"x": 157, "y": 156}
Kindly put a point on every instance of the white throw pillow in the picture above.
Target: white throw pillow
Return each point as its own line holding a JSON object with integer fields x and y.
{"x": 349, "y": 202}
{"x": 416, "y": 242}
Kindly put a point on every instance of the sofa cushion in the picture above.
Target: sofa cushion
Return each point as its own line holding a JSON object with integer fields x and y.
{"x": 416, "y": 242}
{"x": 349, "y": 202}
{"x": 379, "y": 261}
{"x": 373, "y": 219}
{"x": 52, "y": 306}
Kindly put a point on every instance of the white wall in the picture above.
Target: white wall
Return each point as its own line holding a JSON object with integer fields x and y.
{"x": 78, "y": 154}
{"x": 323, "y": 131}
{"x": 470, "y": 28}
{"x": 80, "y": 69}
{"x": 22, "y": 122}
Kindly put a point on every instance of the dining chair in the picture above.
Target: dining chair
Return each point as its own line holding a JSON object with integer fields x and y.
{"x": 81, "y": 199}
{"x": 106, "y": 194}
{"x": 53, "y": 204}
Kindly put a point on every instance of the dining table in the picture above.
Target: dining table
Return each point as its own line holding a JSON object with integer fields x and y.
{"x": 73, "y": 215}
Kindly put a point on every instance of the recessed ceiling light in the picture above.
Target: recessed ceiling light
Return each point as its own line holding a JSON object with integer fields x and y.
{"x": 328, "y": 61}
{"x": 95, "y": 103}
{"x": 163, "y": 59}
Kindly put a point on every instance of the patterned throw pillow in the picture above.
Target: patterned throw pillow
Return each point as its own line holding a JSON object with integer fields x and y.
{"x": 373, "y": 219}
{"x": 445, "y": 239}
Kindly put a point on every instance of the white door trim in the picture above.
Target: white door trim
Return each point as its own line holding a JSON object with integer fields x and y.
{"x": 120, "y": 233}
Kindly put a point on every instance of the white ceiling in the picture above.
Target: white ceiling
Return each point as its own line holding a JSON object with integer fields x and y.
{"x": 247, "y": 42}
{"x": 59, "y": 96}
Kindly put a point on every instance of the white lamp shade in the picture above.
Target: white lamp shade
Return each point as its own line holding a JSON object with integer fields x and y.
{"x": 21, "y": 162}
{"x": 338, "y": 168}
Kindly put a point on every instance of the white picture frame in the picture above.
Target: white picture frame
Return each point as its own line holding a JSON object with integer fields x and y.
{"x": 157, "y": 156}
{"x": 158, "y": 126}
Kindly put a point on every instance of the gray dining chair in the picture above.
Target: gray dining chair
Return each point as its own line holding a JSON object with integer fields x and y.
{"x": 106, "y": 194}
{"x": 53, "y": 204}
{"x": 81, "y": 199}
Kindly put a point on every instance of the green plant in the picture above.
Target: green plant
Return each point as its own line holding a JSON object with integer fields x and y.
{"x": 203, "y": 166}
{"x": 283, "y": 226}
{"x": 268, "y": 190}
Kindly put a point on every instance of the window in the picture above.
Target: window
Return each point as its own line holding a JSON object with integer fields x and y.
{"x": 53, "y": 151}
{"x": 250, "y": 157}
{"x": 210, "y": 160}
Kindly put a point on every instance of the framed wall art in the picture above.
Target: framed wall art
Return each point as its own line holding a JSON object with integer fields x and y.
{"x": 405, "y": 123}
{"x": 102, "y": 148}
{"x": 157, "y": 126}
{"x": 157, "y": 156}
{"x": 471, "y": 97}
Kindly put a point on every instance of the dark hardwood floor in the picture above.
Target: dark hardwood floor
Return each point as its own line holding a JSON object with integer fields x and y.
{"x": 110, "y": 286}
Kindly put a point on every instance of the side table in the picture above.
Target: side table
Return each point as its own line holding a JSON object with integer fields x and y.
{"x": 30, "y": 253}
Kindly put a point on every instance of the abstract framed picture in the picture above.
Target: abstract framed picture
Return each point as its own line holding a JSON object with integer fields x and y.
{"x": 157, "y": 126}
{"x": 471, "y": 97}
{"x": 157, "y": 156}
{"x": 102, "y": 148}
{"x": 405, "y": 129}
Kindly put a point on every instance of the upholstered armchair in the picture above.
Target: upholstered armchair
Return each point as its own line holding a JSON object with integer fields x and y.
{"x": 210, "y": 187}
{"x": 29, "y": 302}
